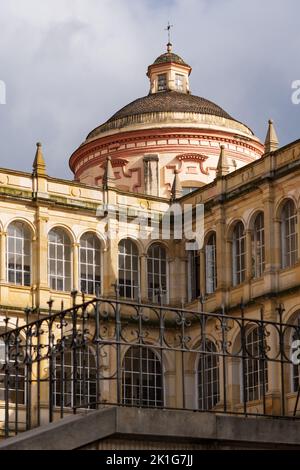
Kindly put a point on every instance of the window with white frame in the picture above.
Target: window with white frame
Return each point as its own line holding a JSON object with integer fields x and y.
{"x": 289, "y": 236}
{"x": 15, "y": 388}
{"x": 128, "y": 269}
{"x": 90, "y": 260}
{"x": 193, "y": 274}
{"x": 142, "y": 378}
{"x": 208, "y": 377}
{"x": 157, "y": 273}
{"x": 179, "y": 82}
{"x": 255, "y": 367}
{"x": 210, "y": 264}
{"x": 258, "y": 246}
{"x": 162, "y": 82}
{"x": 238, "y": 254}
{"x": 19, "y": 254}
{"x": 74, "y": 389}
{"x": 59, "y": 260}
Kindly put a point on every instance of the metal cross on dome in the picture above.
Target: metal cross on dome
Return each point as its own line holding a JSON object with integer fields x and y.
{"x": 168, "y": 28}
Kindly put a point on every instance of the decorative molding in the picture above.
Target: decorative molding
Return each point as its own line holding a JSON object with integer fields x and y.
{"x": 116, "y": 163}
{"x": 109, "y": 144}
{"x": 195, "y": 157}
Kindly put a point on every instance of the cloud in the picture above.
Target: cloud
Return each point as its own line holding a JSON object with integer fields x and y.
{"x": 68, "y": 65}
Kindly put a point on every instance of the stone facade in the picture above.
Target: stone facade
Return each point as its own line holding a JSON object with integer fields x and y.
{"x": 138, "y": 179}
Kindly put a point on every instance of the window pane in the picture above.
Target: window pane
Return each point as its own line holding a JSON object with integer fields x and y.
{"x": 90, "y": 263}
{"x": 141, "y": 385}
{"x": 59, "y": 252}
{"x": 156, "y": 267}
{"x": 128, "y": 277}
{"x": 18, "y": 253}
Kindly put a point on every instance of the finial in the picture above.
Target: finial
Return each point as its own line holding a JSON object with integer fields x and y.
{"x": 168, "y": 28}
{"x": 176, "y": 191}
{"x": 223, "y": 166}
{"x": 109, "y": 176}
{"x": 271, "y": 142}
{"x": 39, "y": 166}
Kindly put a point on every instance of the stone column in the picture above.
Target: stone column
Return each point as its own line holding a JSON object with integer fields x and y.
{"x": 41, "y": 259}
{"x": 34, "y": 275}
{"x": 110, "y": 268}
{"x": 273, "y": 395}
{"x": 269, "y": 233}
{"x": 272, "y": 240}
{"x": 143, "y": 277}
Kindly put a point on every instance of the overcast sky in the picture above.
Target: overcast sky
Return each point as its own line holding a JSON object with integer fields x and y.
{"x": 68, "y": 65}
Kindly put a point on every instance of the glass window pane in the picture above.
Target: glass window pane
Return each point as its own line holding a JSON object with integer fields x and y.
{"x": 18, "y": 253}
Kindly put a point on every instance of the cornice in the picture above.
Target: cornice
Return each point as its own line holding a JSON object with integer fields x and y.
{"x": 113, "y": 143}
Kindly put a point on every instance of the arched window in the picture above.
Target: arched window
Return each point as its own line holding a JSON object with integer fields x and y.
{"x": 289, "y": 236}
{"x": 193, "y": 274}
{"x": 128, "y": 269}
{"x": 258, "y": 246}
{"x": 19, "y": 254}
{"x": 208, "y": 377}
{"x": 210, "y": 264}
{"x": 13, "y": 383}
{"x": 255, "y": 367}
{"x": 90, "y": 256}
{"x": 157, "y": 273}
{"x": 59, "y": 260}
{"x": 74, "y": 389}
{"x": 141, "y": 378}
{"x": 238, "y": 254}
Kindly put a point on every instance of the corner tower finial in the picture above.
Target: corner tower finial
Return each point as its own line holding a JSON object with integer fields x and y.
{"x": 39, "y": 166}
{"x": 223, "y": 166}
{"x": 271, "y": 142}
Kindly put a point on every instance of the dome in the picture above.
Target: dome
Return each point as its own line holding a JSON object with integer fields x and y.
{"x": 166, "y": 102}
{"x": 170, "y": 128}
{"x": 168, "y": 57}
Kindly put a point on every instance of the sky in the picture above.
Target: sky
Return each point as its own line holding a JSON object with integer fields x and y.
{"x": 68, "y": 65}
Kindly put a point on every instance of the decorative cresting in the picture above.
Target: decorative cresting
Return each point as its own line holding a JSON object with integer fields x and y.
{"x": 194, "y": 157}
{"x": 74, "y": 359}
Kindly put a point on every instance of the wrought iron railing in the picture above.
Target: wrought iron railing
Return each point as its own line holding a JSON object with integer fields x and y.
{"x": 112, "y": 352}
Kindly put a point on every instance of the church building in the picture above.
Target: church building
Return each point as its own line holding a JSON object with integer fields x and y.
{"x": 101, "y": 307}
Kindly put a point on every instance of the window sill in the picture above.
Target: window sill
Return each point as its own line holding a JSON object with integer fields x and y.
{"x": 60, "y": 292}
{"x": 238, "y": 286}
{"x": 289, "y": 268}
{"x": 17, "y": 286}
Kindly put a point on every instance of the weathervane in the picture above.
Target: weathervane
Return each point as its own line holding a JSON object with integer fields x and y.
{"x": 168, "y": 28}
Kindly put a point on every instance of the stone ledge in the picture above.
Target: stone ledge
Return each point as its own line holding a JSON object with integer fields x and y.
{"x": 168, "y": 425}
